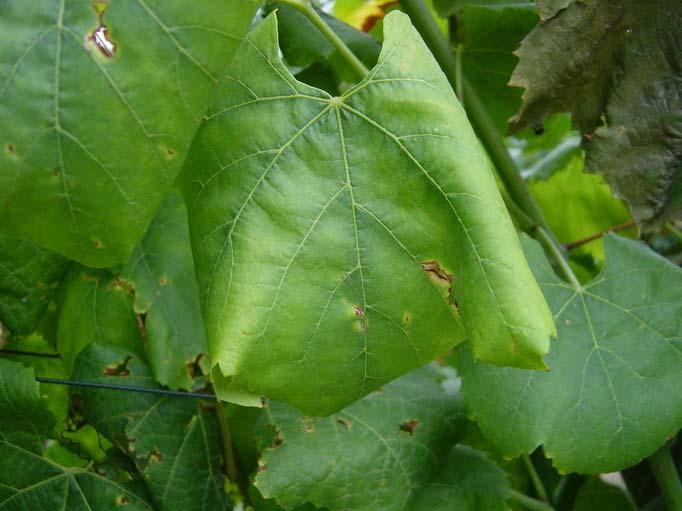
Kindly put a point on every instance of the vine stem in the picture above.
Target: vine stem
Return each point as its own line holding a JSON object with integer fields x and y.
{"x": 226, "y": 436}
{"x": 551, "y": 247}
{"x": 306, "y": 8}
{"x": 528, "y": 502}
{"x": 478, "y": 114}
{"x": 663, "y": 468}
{"x": 535, "y": 478}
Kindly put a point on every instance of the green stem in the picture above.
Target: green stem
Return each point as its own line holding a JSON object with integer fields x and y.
{"x": 226, "y": 436}
{"x": 663, "y": 468}
{"x": 459, "y": 77}
{"x": 306, "y": 8}
{"x": 558, "y": 257}
{"x": 478, "y": 115}
{"x": 528, "y": 502}
{"x": 535, "y": 478}
{"x": 674, "y": 231}
{"x": 567, "y": 491}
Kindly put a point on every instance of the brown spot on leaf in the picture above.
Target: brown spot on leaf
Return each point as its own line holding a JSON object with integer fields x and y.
{"x": 155, "y": 456}
{"x": 163, "y": 281}
{"x": 442, "y": 279}
{"x": 122, "y": 500}
{"x": 406, "y": 318}
{"x": 11, "y": 149}
{"x": 376, "y": 11}
{"x": 409, "y": 426}
{"x": 97, "y": 243}
{"x": 344, "y": 422}
{"x": 194, "y": 366}
{"x": 120, "y": 369}
{"x": 141, "y": 320}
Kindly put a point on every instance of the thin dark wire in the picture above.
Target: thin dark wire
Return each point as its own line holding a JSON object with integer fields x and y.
{"x": 128, "y": 388}
{"x": 30, "y": 353}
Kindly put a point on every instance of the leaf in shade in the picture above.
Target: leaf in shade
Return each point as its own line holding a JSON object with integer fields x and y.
{"x": 95, "y": 306}
{"x": 100, "y": 101}
{"x": 28, "y": 480}
{"x": 161, "y": 271}
{"x": 612, "y": 395}
{"x": 375, "y": 454}
{"x": 28, "y": 274}
{"x": 339, "y": 249}
{"x": 173, "y": 442}
{"x": 617, "y": 66}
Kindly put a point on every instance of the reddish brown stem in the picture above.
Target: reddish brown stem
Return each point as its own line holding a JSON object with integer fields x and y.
{"x": 596, "y": 236}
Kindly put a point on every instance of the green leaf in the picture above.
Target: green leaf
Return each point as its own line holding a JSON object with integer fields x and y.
{"x": 577, "y": 205}
{"x": 616, "y": 61}
{"x": 95, "y": 306}
{"x": 94, "y": 133}
{"x": 30, "y": 481}
{"x": 28, "y": 274}
{"x": 466, "y": 481}
{"x": 611, "y": 396}
{"x": 161, "y": 272}
{"x": 173, "y": 442}
{"x": 333, "y": 248}
{"x": 596, "y": 494}
{"x": 488, "y": 38}
{"x": 447, "y": 8}
{"x": 373, "y": 455}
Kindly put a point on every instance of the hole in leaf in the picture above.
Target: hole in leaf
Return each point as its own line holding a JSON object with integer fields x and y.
{"x": 100, "y": 35}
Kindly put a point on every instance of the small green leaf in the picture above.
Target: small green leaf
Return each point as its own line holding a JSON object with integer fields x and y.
{"x": 99, "y": 104}
{"x": 616, "y": 65}
{"x": 596, "y": 494}
{"x": 95, "y": 306}
{"x": 28, "y": 480}
{"x": 161, "y": 272}
{"x": 612, "y": 395}
{"x": 337, "y": 249}
{"x": 466, "y": 481}
{"x": 375, "y": 454}
{"x": 173, "y": 442}
{"x": 28, "y": 274}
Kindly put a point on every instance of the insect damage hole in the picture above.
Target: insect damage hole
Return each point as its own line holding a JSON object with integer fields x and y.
{"x": 409, "y": 426}
{"x": 442, "y": 280}
{"x": 100, "y": 37}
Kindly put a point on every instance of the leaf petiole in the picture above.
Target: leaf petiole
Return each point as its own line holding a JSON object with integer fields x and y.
{"x": 306, "y": 8}
{"x": 665, "y": 472}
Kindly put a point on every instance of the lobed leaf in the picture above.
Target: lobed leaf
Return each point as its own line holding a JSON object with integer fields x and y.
{"x": 337, "y": 249}
{"x": 375, "y": 454}
{"x": 99, "y": 102}
{"x": 618, "y": 62}
{"x": 612, "y": 395}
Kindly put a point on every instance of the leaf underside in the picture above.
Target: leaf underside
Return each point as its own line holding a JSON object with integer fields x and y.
{"x": 612, "y": 396}
{"x": 353, "y": 239}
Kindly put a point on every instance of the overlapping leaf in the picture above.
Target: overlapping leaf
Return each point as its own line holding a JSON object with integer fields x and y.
{"x": 333, "y": 248}
{"x": 161, "y": 273}
{"x": 173, "y": 442}
{"x": 28, "y": 480}
{"x": 620, "y": 61}
{"x": 28, "y": 275}
{"x": 96, "y": 306}
{"x": 98, "y": 104}
{"x": 612, "y": 395}
{"x": 375, "y": 454}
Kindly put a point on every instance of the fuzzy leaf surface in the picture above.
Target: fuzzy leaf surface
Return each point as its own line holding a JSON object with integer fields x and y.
{"x": 612, "y": 395}
{"x": 374, "y": 455}
{"x": 333, "y": 249}
{"x": 620, "y": 61}
{"x": 98, "y": 104}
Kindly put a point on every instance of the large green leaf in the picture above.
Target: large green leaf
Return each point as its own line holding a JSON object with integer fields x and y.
{"x": 98, "y": 104}
{"x": 619, "y": 61}
{"x": 375, "y": 454}
{"x": 466, "y": 481}
{"x": 28, "y": 274}
{"x": 334, "y": 249}
{"x": 612, "y": 395}
{"x": 173, "y": 442}
{"x": 96, "y": 306}
{"x": 30, "y": 481}
{"x": 161, "y": 272}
